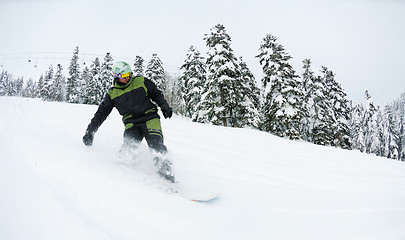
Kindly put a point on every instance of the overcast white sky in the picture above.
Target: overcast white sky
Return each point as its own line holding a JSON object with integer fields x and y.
{"x": 362, "y": 41}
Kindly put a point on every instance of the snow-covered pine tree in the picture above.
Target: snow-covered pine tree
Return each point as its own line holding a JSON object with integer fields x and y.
{"x": 106, "y": 74}
{"x": 47, "y": 89}
{"x": 396, "y": 130}
{"x": 321, "y": 115}
{"x": 138, "y": 66}
{"x": 356, "y": 126}
{"x": 401, "y": 126}
{"x": 156, "y": 73}
{"x": 396, "y": 136}
{"x": 221, "y": 70}
{"x": 249, "y": 107}
{"x": 30, "y": 89}
{"x": 11, "y": 88}
{"x": 218, "y": 93}
{"x": 340, "y": 108}
{"x": 7, "y": 84}
{"x": 392, "y": 134}
{"x": 59, "y": 88}
{"x": 310, "y": 92}
{"x": 173, "y": 93}
{"x": 282, "y": 111}
{"x": 382, "y": 134}
{"x": 315, "y": 124}
{"x": 3, "y": 82}
{"x": 73, "y": 81}
{"x": 192, "y": 80}
{"x": 401, "y": 138}
{"x": 94, "y": 88}
{"x": 325, "y": 124}
{"x": 40, "y": 86}
{"x": 223, "y": 99}
{"x": 19, "y": 84}
{"x": 86, "y": 79}
{"x": 370, "y": 125}
{"x": 10, "y": 85}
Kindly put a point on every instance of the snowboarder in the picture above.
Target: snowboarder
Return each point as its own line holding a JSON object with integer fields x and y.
{"x": 132, "y": 96}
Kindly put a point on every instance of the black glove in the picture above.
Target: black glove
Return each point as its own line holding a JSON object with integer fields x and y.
{"x": 167, "y": 112}
{"x": 88, "y": 139}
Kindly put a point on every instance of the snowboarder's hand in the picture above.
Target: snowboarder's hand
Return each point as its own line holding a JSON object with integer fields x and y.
{"x": 88, "y": 139}
{"x": 167, "y": 112}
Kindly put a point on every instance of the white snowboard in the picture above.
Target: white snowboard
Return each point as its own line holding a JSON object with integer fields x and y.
{"x": 197, "y": 194}
{"x": 197, "y": 189}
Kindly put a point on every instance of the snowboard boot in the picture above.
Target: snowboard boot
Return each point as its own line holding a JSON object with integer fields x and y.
{"x": 164, "y": 167}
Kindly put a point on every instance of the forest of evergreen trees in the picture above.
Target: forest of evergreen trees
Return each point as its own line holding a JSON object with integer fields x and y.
{"x": 220, "y": 89}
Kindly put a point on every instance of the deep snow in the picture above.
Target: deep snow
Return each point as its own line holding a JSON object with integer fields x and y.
{"x": 54, "y": 187}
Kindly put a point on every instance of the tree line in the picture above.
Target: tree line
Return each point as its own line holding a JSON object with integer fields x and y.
{"x": 220, "y": 89}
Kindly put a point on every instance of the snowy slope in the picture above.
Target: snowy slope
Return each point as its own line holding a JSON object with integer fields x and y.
{"x": 53, "y": 187}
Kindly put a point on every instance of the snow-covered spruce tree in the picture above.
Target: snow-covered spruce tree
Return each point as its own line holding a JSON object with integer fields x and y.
{"x": 382, "y": 134}
{"x": 401, "y": 139}
{"x": 316, "y": 121}
{"x": 401, "y": 115}
{"x": 392, "y": 134}
{"x": 14, "y": 87}
{"x": 401, "y": 126}
{"x": 282, "y": 110}
{"x": 73, "y": 81}
{"x": 356, "y": 126}
{"x": 322, "y": 117}
{"x": 86, "y": 79}
{"x": 218, "y": 93}
{"x": 251, "y": 104}
{"x": 106, "y": 74}
{"x": 40, "y": 86}
{"x": 396, "y": 130}
{"x": 156, "y": 73}
{"x": 223, "y": 99}
{"x": 47, "y": 88}
{"x": 340, "y": 108}
{"x": 311, "y": 91}
{"x": 19, "y": 84}
{"x": 370, "y": 125}
{"x": 3, "y": 82}
{"x": 138, "y": 66}
{"x": 59, "y": 88}
{"x": 94, "y": 87}
{"x": 173, "y": 93}
{"x": 30, "y": 89}
{"x": 192, "y": 80}
{"x": 9, "y": 85}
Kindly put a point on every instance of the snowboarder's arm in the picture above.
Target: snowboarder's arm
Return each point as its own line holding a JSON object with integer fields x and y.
{"x": 102, "y": 113}
{"x": 157, "y": 96}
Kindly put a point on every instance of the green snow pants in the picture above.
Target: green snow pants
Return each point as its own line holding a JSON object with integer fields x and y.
{"x": 150, "y": 130}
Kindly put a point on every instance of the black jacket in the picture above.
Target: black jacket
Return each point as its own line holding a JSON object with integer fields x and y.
{"x": 133, "y": 102}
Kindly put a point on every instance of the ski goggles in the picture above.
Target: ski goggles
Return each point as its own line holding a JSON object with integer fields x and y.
{"x": 119, "y": 75}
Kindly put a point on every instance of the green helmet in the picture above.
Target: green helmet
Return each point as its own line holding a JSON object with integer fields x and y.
{"x": 121, "y": 69}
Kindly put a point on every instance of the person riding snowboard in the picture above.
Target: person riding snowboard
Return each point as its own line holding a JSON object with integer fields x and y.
{"x": 132, "y": 96}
